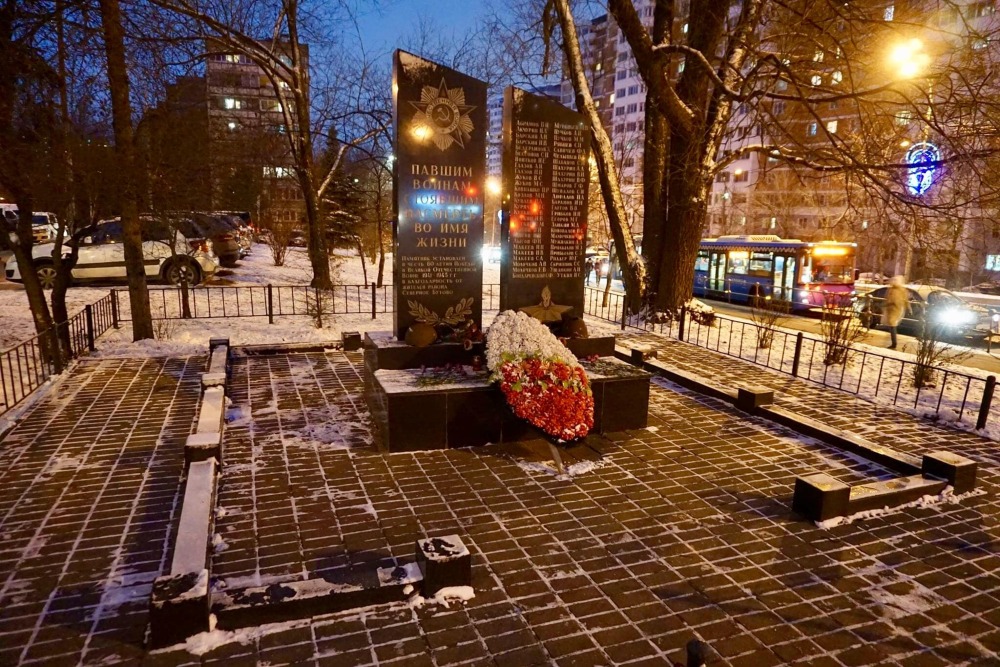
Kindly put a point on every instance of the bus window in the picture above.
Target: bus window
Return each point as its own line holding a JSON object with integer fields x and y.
{"x": 805, "y": 275}
{"x": 701, "y": 262}
{"x": 833, "y": 265}
{"x": 738, "y": 260}
{"x": 760, "y": 264}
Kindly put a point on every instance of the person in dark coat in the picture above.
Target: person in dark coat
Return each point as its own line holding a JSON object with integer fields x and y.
{"x": 588, "y": 268}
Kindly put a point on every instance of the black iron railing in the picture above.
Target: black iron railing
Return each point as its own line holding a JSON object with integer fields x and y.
{"x": 26, "y": 366}
{"x": 949, "y": 394}
{"x": 273, "y": 301}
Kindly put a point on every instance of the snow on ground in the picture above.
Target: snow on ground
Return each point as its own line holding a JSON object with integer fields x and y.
{"x": 872, "y": 373}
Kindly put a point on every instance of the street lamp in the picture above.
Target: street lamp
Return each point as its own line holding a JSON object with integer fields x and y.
{"x": 910, "y": 60}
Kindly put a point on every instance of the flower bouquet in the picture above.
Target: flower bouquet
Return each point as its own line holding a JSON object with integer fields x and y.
{"x": 541, "y": 380}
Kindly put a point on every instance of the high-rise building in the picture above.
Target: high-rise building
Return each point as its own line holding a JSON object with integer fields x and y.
{"x": 755, "y": 192}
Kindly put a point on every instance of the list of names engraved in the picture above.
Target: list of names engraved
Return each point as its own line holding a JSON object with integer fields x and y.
{"x": 548, "y": 207}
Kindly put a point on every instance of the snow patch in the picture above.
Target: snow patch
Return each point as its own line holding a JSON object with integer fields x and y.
{"x": 946, "y": 497}
{"x": 445, "y": 596}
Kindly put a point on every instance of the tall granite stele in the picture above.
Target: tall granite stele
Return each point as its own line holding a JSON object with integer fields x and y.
{"x": 546, "y": 147}
{"x": 439, "y": 140}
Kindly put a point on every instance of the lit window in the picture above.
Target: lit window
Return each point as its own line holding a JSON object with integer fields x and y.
{"x": 903, "y": 117}
{"x": 831, "y": 127}
{"x": 232, "y": 58}
{"x": 890, "y": 11}
{"x": 232, "y": 103}
{"x": 864, "y": 224}
{"x": 836, "y": 77}
{"x": 813, "y": 128}
{"x": 774, "y": 223}
{"x": 231, "y": 125}
{"x": 612, "y": 99}
{"x": 684, "y": 28}
{"x": 817, "y": 80}
{"x": 818, "y": 57}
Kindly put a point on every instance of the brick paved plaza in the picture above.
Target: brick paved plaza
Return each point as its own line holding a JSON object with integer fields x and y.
{"x": 682, "y": 530}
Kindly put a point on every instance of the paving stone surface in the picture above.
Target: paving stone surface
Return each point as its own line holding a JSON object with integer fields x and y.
{"x": 683, "y": 530}
{"x": 88, "y": 496}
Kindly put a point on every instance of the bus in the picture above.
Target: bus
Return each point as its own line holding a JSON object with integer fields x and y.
{"x": 805, "y": 274}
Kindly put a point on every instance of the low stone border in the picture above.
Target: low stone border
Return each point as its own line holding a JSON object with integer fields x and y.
{"x": 441, "y": 563}
{"x": 180, "y": 602}
{"x": 206, "y": 442}
{"x": 820, "y": 497}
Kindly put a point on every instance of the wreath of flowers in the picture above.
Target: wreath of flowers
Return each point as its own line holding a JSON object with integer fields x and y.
{"x": 541, "y": 380}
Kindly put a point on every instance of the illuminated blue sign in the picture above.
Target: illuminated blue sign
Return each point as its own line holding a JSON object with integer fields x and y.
{"x": 922, "y": 159}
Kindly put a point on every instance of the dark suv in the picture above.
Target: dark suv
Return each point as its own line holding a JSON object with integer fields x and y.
{"x": 225, "y": 243}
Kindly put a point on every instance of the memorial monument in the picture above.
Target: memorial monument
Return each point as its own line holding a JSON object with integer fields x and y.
{"x": 424, "y": 389}
{"x": 544, "y": 234}
{"x": 439, "y": 138}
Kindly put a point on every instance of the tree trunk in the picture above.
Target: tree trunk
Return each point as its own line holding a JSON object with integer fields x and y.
{"x": 381, "y": 251}
{"x": 654, "y": 165}
{"x": 121, "y": 113}
{"x": 67, "y": 209}
{"x": 688, "y": 197}
{"x": 364, "y": 266}
{"x": 633, "y": 271}
{"x": 654, "y": 196}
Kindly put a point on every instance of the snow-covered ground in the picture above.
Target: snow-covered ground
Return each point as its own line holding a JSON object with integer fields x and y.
{"x": 873, "y": 373}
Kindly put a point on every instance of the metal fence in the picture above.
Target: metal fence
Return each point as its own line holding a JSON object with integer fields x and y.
{"x": 273, "y": 301}
{"x": 26, "y": 366}
{"x": 951, "y": 394}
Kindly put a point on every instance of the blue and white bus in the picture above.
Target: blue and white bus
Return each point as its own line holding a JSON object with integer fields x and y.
{"x": 806, "y": 274}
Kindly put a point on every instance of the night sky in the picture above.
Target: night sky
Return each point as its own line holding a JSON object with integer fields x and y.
{"x": 386, "y": 28}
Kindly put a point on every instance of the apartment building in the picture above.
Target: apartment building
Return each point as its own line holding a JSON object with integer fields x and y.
{"x": 755, "y": 193}
{"x": 220, "y": 142}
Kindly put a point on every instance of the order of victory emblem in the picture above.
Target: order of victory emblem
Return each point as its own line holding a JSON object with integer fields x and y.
{"x": 444, "y": 115}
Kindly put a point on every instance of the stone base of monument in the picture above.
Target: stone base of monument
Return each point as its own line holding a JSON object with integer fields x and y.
{"x": 433, "y": 407}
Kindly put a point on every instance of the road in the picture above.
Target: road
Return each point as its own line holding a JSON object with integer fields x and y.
{"x": 979, "y": 356}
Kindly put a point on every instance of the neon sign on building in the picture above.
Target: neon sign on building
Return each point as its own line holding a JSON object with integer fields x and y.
{"x": 923, "y": 159}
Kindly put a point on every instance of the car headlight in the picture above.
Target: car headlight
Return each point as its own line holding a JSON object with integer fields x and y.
{"x": 956, "y": 317}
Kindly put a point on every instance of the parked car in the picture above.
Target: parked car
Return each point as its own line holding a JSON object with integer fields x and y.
{"x": 244, "y": 234}
{"x": 44, "y": 225}
{"x": 958, "y": 317}
{"x": 224, "y": 238}
{"x": 102, "y": 255}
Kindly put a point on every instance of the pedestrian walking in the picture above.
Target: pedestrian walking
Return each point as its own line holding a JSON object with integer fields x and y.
{"x": 897, "y": 303}
{"x": 588, "y": 268}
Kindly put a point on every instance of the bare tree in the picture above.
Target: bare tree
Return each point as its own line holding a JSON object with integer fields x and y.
{"x": 121, "y": 109}
{"x": 283, "y": 57}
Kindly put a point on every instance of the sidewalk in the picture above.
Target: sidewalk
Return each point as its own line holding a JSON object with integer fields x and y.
{"x": 684, "y": 530}
{"x": 88, "y": 494}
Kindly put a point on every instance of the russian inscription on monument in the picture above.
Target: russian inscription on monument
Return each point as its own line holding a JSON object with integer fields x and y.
{"x": 439, "y": 140}
{"x": 545, "y": 177}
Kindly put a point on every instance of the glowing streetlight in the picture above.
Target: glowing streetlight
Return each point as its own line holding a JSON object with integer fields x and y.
{"x": 909, "y": 58}
{"x": 493, "y": 185}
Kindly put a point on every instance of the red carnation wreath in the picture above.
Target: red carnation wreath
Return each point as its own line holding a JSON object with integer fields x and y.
{"x": 541, "y": 380}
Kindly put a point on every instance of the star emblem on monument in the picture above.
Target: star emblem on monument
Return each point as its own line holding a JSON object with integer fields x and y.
{"x": 443, "y": 115}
